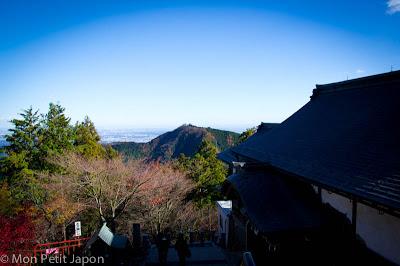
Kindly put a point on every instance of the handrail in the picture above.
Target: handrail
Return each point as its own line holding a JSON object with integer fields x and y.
{"x": 60, "y": 246}
{"x": 64, "y": 241}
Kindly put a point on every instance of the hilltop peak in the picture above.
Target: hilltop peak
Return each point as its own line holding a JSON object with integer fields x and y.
{"x": 185, "y": 139}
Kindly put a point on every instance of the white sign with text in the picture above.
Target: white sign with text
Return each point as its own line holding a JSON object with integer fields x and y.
{"x": 78, "y": 228}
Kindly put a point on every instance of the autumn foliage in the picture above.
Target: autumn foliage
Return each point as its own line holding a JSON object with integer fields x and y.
{"x": 164, "y": 198}
{"x": 17, "y": 234}
{"x": 55, "y": 173}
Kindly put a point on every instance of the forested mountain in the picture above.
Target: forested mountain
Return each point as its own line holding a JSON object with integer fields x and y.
{"x": 185, "y": 140}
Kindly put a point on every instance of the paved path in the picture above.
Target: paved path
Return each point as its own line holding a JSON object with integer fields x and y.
{"x": 208, "y": 254}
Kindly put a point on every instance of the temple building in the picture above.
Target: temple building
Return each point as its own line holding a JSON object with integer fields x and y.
{"x": 325, "y": 183}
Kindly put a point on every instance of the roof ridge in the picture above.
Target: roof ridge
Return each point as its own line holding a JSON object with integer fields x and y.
{"x": 357, "y": 83}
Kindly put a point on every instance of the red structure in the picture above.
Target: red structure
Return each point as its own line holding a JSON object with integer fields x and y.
{"x": 65, "y": 247}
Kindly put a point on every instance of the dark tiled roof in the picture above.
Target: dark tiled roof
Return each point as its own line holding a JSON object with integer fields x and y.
{"x": 227, "y": 156}
{"x": 286, "y": 206}
{"x": 346, "y": 137}
{"x": 264, "y": 127}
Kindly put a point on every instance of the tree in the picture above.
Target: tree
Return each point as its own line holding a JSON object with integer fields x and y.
{"x": 8, "y": 206}
{"x": 164, "y": 198}
{"x": 207, "y": 172}
{"x": 33, "y": 139}
{"x": 61, "y": 208}
{"x": 22, "y": 158}
{"x": 247, "y": 134}
{"x": 87, "y": 140}
{"x": 107, "y": 185}
{"x": 24, "y": 137}
{"x": 56, "y": 133}
{"x": 17, "y": 234}
{"x": 22, "y": 151}
{"x": 85, "y": 132}
{"x": 16, "y": 226}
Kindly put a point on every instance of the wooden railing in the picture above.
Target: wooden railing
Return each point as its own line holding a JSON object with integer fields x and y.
{"x": 42, "y": 251}
{"x": 66, "y": 247}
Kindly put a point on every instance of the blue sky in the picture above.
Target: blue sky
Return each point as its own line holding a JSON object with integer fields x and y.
{"x": 159, "y": 64}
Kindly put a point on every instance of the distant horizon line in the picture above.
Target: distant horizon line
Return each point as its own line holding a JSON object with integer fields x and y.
{"x": 234, "y": 128}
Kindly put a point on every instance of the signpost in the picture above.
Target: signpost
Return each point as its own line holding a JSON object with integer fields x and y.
{"x": 78, "y": 231}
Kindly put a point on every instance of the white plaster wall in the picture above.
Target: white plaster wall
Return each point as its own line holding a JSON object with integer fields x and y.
{"x": 380, "y": 232}
{"x": 339, "y": 202}
{"x": 224, "y": 220}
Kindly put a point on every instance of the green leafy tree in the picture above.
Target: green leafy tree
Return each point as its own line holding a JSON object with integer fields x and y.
{"x": 24, "y": 138}
{"x": 86, "y": 132}
{"x": 87, "y": 140}
{"x": 22, "y": 158}
{"x": 8, "y": 206}
{"x": 33, "y": 141}
{"x": 247, "y": 134}
{"x": 110, "y": 152}
{"x": 56, "y": 133}
{"x": 207, "y": 171}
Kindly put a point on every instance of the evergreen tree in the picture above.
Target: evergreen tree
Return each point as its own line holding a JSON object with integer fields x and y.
{"x": 87, "y": 140}
{"x": 207, "y": 171}
{"x": 23, "y": 139}
{"x": 22, "y": 158}
{"x": 247, "y": 134}
{"x": 56, "y": 133}
{"x": 85, "y": 132}
{"x": 33, "y": 141}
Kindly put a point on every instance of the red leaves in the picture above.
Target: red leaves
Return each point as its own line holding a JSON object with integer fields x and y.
{"x": 16, "y": 233}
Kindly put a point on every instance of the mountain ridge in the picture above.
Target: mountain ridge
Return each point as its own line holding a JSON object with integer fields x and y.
{"x": 185, "y": 139}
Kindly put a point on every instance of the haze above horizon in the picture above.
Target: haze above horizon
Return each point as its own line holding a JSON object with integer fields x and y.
{"x": 158, "y": 64}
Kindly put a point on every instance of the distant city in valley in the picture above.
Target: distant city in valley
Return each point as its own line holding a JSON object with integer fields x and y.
{"x": 129, "y": 135}
{"x": 113, "y": 135}
{"x": 118, "y": 135}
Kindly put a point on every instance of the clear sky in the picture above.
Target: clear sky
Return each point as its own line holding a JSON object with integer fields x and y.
{"x": 159, "y": 64}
